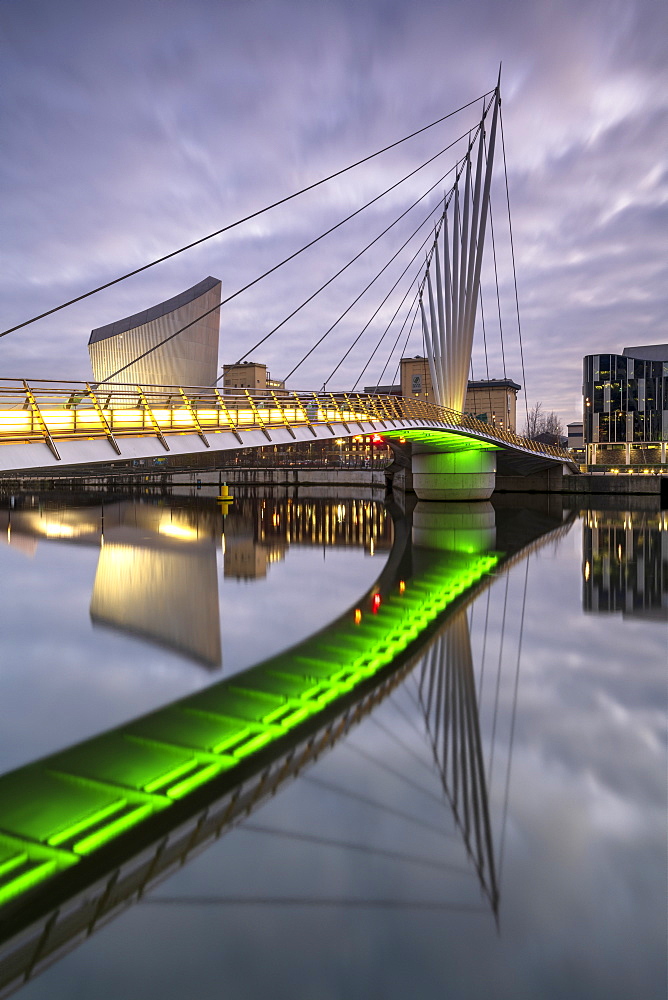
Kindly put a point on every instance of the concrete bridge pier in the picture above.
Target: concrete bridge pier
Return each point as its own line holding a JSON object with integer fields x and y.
{"x": 458, "y": 475}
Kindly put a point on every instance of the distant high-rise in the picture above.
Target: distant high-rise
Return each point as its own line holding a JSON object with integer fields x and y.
{"x": 189, "y": 359}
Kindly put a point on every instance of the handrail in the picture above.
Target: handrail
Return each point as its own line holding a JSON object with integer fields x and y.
{"x": 48, "y": 410}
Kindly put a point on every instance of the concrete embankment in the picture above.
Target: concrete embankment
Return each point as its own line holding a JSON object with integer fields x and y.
{"x": 587, "y": 484}
{"x": 284, "y": 477}
{"x": 552, "y": 482}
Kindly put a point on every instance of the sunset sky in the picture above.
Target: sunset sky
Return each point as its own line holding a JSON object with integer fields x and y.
{"x": 133, "y": 128}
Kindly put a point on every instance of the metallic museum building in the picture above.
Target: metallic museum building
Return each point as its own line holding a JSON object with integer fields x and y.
{"x": 625, "y": 406}
{"x": 189, "y": 359}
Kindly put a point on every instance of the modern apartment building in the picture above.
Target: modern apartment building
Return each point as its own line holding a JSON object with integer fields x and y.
{"x": 625, "y": 406}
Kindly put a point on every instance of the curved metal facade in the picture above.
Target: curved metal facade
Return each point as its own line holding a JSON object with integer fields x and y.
{"x": 189, "y": 359}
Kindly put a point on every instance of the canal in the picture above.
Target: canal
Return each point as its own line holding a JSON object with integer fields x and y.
{"x": 468, "y": 801}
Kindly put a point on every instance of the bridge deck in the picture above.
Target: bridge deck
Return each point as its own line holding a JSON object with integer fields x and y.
{"x": 55, "y": 424}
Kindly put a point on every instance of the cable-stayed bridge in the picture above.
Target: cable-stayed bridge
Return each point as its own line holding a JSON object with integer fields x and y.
{"x": 49, "y": 425}
{"x": 451, "y": 455}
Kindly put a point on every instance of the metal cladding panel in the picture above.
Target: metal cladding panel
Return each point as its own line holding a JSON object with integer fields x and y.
{"x": 190, "y": 358}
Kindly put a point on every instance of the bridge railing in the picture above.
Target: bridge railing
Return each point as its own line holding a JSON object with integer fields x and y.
{"x": 408, "y": 408}
{"x": 50, "y": 411}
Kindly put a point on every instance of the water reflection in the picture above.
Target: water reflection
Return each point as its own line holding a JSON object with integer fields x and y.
{"x": 625, "y": 563}
{"x": 89, "y": 828}
{"x": 157, "y": 577}
{"x": 449, "y": 702}
{"x": 258, "y": 533}
{"x": 167, "y": 595}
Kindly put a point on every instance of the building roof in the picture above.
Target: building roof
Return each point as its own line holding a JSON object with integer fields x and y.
{"x": 647, "y": 352}
{"x": 384, "y": 390}
{"x": 244, "y": 364}
{"x": 155, "y": 312}
{"x": 494, "y": 383}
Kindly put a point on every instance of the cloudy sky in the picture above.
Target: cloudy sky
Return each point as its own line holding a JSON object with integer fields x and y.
{"x": 129, "y": 130}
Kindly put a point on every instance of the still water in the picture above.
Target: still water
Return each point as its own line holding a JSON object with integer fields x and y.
{"x": 493, "y": 826}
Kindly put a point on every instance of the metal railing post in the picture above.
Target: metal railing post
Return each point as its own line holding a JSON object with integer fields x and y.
{"x": 40, "y": 420}
{"x": 339, "y": 412}
{"x": 325, "y": 421}
{"x": 306, "y": 416}
{"x": 257, "y": 415}
{"x": 371, "y": 403}
{"x": 352, "y": 410}
{"x": 193, "y": 415}
{"x": 103, "y": 419}
{"x": 282, "y": 413}
{"x": 228, "y": 416}
{"x": 151, "y": 416}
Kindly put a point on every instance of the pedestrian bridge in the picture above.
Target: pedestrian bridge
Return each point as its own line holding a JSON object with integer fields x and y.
{"x": 50, "y": 425}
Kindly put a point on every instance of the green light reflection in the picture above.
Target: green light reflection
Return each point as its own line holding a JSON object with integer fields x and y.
{"x": 60, "y": 809}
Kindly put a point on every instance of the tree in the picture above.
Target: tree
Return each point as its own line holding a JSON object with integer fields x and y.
{"x": 532, "y": 427}
{"x": 539, "y": 423}
{"x": 553, "y": 424}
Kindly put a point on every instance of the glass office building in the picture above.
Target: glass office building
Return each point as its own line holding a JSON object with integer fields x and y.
{"x": 625, "y": 406}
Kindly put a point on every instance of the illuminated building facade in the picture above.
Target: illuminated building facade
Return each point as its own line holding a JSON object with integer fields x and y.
{"x": 625, "y": 406}
{"x": 189, "y": 359}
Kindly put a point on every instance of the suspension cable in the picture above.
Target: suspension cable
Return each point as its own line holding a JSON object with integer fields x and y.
{"x": 448, "y": 197}
{"x": 246, "y": 218}
{"x": 401, "y": 330}
{"x": 484, "y": 337}
{"x": 496, "y": 279}
{"x": 429, "y": 256}
{"x": 408, "y": 337}
{"x": 387, "y": 329}
{"x": 375, "y": 313}
{"x": 286, "y": 260}
{"x": 512, "y": 256}
{"x": 345, "y": 267}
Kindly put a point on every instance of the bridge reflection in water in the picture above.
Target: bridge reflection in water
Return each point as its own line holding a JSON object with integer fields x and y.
{"x": 88, "y": 830}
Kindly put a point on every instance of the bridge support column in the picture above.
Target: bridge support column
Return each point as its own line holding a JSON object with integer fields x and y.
{"x": 459, "y": 475}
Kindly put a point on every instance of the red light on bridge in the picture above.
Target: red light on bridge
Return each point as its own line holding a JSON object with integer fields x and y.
{"x": 375, "y": 603}
{"x": 377, "y": 439}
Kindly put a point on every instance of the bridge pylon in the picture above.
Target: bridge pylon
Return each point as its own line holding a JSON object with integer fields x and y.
{"x": 452, "y": 285}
